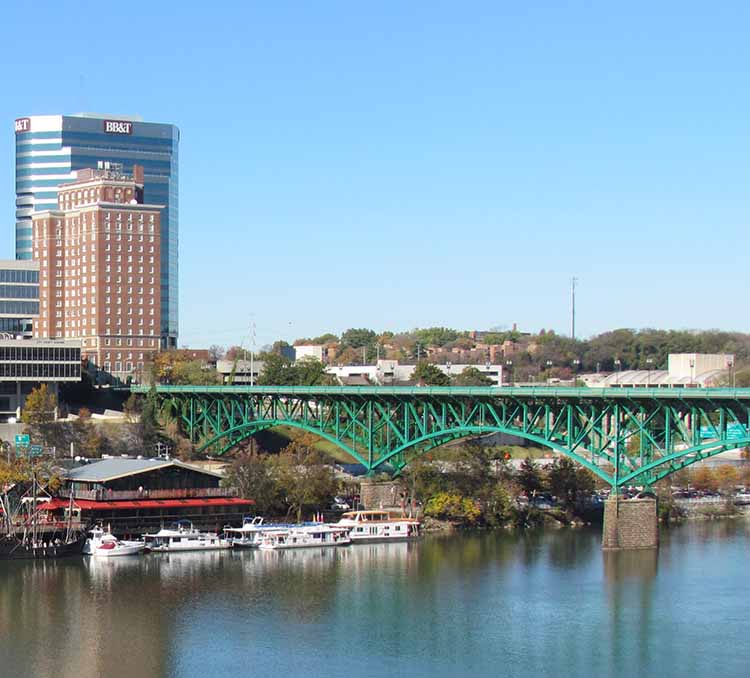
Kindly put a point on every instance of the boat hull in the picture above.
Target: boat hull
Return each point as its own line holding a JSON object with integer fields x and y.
{"x": 365, "y": 539}
{"x": 284, "y": 547}
{"x": 12, "y": 548}
{"x": 119, "y": 550}
{"x": 184, "y": 549}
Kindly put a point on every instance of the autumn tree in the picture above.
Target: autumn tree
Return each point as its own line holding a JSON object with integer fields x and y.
{"x": 727, "y": 478}
{"x": 704, "y": 479}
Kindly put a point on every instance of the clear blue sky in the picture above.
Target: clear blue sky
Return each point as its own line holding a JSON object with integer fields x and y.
{"x": 405, "y": 164}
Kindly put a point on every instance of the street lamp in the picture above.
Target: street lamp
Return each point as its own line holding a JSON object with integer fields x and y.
{"x": 509, "y": 364}
{"x": 730, "y": 367}
{"x": 692, "y": 371}
{"x": 618, "y": 365}
{"x": 649, "y": 363}
{"x": 576, "y": 366}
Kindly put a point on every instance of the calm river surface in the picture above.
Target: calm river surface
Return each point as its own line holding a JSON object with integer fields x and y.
{"x": 490, "y": 604}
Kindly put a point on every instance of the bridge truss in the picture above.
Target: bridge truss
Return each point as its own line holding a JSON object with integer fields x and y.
{"x": 626, "y": 436}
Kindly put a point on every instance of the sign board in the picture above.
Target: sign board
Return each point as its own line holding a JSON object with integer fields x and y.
{"x": 23, "y": 125}
{"x": 22, "y": 440}
{"x": 118, "y": 127}
{"x": 36, "y": 449}
{"x": 734, "y": 432}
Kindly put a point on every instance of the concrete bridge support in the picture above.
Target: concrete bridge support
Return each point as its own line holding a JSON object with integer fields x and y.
{"x": 630, "y": 524}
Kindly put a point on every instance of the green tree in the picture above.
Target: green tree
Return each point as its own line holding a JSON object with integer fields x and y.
{"x": 561, "y": 477}
{"x": 39, "y": 415}
{"x": 471, "y": 376}
{"x": 567, "y": 481}
{"x": 252, "y": 474}
{"x": 303, "y": 479}
{"x": 278, "y": 370}
{"x": 436, "y": 336}
{"x": 281, "y": 371}
{"x": 529, "y": 477}
{"x": 149, "y": 428}
{"x": 430, "y": 374}
{"x": 357, "y": 338}
{"x": 310, "y": 371}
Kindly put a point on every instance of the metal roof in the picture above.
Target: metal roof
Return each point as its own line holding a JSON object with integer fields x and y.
{"x": 111, "y": 469}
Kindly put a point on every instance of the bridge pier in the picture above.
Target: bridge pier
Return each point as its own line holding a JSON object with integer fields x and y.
{"x": 630, "y": 524}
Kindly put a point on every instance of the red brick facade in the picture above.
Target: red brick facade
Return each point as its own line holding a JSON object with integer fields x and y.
{"x": 99, "y": 256}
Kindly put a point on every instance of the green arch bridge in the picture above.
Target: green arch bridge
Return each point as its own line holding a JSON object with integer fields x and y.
{"x": 626, "y": 436}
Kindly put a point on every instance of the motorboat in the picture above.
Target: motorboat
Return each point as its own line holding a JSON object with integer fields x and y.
{"x": 250, "y": 534}
{"x": 105, "y": 545}
{"x": 304, "y": 536}
{"x": 378, "y": 526}
{"x": 182, "y": 536}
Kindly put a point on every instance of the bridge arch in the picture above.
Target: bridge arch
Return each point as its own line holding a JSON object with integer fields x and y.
{"x": 431, "y": 442}
{"x": 660, "y": 467}
{"x": 436, "y": 439}
{"x": 248, "y": 430}
{"x": 683, "y": 459}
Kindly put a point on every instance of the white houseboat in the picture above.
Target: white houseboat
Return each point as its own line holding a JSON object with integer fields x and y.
{"x": 250, "y": 534}
{"x": 378, "y": 526}
{"x": 182, "y": 536}
{"x": 304, "y": 536}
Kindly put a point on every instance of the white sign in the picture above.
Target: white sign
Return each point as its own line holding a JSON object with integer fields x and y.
{"x": 118, "y": 127}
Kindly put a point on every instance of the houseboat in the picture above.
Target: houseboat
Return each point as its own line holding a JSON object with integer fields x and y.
{"x": 250, "y": 534}
{"x": 304, "y": 536}
{"x": 378, "y": 526}
{"x": 182, "y": 536}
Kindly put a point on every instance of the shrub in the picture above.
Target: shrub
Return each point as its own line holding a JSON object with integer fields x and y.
{"x": 454, "y": 507}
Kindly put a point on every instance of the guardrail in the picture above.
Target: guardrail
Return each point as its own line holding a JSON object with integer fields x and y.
{"x": 127, "y": 495}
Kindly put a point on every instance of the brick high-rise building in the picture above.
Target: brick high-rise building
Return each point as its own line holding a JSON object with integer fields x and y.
{"x": 51, "y": 148}
{"x": 99, "y": 269}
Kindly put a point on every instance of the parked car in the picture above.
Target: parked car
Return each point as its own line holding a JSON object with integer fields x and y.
{"x": 339, "y": 504}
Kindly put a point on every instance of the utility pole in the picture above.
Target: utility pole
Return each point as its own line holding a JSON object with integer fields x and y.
{"x": 573, "y": 282}
{"x": 252, "y": 353}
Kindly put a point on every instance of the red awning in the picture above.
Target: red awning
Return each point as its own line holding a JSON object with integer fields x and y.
{"x": 88, "y": 505}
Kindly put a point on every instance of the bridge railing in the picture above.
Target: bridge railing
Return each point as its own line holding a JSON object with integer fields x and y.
{"x": 612, "y": 392}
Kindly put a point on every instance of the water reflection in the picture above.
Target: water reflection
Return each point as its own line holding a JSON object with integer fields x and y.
{"x": 494, "y": 603}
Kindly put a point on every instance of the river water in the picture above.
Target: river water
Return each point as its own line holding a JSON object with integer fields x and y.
{"x": 485, "y": 604}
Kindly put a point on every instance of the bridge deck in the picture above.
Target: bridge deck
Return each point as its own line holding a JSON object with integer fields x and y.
{"x": 628, "y": 393}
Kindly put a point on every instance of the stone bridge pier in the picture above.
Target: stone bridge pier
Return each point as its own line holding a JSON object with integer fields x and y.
{"x": 630, "y": 524}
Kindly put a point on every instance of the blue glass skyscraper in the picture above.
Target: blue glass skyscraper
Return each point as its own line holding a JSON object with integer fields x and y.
{"x": 50, "y": 148}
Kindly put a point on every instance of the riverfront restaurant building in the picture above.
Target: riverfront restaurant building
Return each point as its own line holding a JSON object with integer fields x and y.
{"x": 132, "y": 495}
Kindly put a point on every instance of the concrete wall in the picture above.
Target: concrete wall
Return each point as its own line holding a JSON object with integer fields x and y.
{"x": 381, "y": 495}
{"x": 630, "y": 524}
